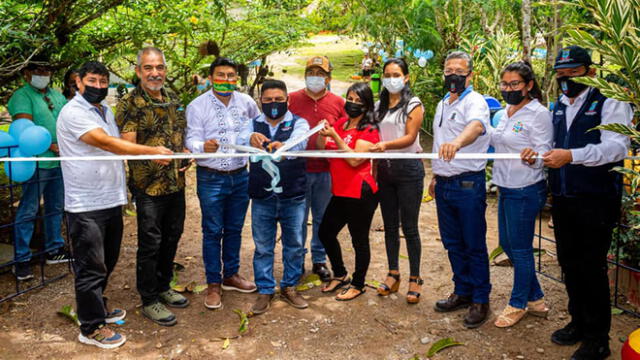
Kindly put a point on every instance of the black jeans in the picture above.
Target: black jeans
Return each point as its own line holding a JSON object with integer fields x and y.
{"x": 160, "y": 225}
{"x": 583, "y": 228}
{"x": 95, "y": 243}
{"x": 357, "y": 215}
{"x": 401, "y": 183}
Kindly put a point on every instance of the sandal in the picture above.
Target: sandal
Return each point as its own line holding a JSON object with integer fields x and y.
{"x": 346, "y": 290}
{"x": 538, "y": 308}
{"x": 384, "y": 289}
{"x": 341, "y": 283}
{"x": 413, "y": 297}
{"x": 510, "y": 316}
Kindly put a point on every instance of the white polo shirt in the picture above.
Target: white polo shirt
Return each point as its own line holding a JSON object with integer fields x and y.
{"x": 88, "y": 185}
{"x": 449, "y": 121}
{"x": 530, "y": 127}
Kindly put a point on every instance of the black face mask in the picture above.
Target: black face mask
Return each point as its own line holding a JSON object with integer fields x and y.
{"x": 353, "y": 110}
{"x": 455, "y": 83}
{"x": 513, "y": 97}
{"x": 274, "y": 110}
{"x": 569, "y": 87}
{"x": 94, "y": 95}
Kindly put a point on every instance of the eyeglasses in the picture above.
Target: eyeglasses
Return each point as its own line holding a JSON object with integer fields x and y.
{"x": 460, "y": 72}
{"x": 513, "y": 85}
{"x": 49, "y": 103}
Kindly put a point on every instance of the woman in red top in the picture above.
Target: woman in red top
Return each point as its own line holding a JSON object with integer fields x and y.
{"x": 354, "y": 190}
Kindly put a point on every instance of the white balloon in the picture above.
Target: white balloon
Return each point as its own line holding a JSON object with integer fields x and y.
{"x": 422, "y": 62}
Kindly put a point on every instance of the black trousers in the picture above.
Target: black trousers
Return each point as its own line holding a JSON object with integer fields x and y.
{"x": 583, "y": 228}
{"x": 401, "y": 183}
{"x": 95, "y": 242}
{"x": 357, "y": 215}
{"x": 160, "y": 225}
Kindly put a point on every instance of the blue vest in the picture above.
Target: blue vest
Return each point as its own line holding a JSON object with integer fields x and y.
{"x": 293, "y": 178}
{"x": 579, "y": 180}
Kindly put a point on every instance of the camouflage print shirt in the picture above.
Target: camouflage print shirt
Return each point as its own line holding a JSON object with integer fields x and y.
{"x": 156, "y": 123}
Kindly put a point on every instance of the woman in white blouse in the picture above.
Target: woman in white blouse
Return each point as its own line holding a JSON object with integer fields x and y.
{"x": 527, "y": 129}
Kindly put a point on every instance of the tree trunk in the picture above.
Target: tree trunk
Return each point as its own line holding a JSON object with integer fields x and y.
{"x": 526, "y": 30}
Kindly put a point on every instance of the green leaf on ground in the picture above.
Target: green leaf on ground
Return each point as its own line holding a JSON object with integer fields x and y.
{"x": 130, "y": 212}
{"x": 403, "y": 257}
{"x": 537, "y": 252}
{"x": 441, "y": 345}
{"x": 616, "y": 311}
{"x": 373, "y": 283}
{"x": 68, "y": 312}
{"x": 305, "y": 287}
{"x": 497, "y": 251}
{"x": 225, "y": 344}
{"x": 244, "y": 321}
{"x": 197, "y": 289}
{"x": 174, "y": 279}
{"x": 415, "y": 357}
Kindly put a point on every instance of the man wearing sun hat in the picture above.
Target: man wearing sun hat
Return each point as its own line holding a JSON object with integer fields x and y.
{"x": 586, "y": 199}
{"x": 316, "y": 103}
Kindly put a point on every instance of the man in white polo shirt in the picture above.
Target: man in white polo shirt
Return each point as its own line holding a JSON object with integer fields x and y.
{"x": 460, "y": 123}
{"x": 94, "y": 194}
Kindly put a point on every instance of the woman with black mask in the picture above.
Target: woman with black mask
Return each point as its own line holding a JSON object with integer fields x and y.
{"x": 354, "y": 190}
{"x": 526, "y": 128}
{"x": 401, "y": 181}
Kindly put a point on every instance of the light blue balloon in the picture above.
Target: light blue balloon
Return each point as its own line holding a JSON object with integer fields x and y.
{"x": 19, "y": 171}
{"x": 416, "y": 53}
{"x": 6, "y": 141}
{"x": 399, "y": 53}
{"x": 381, "y": 52}
{"x": 428, "y": 54}
{"x": 497, "y": 117}
{"x": 17, "y": 127}
{"x": 34, "y": 140}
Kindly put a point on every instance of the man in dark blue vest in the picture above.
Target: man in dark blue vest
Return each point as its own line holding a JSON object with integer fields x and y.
{"x": 586, "y": 200}
{"x": 277, "y": 191}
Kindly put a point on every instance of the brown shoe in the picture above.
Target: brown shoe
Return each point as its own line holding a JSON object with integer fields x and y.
{"x": 477, "y": 315}
{"x": 213, "y": 299}
{"x": 262, "y": 304}
{"x": 452, "y": 303}
{"x": 238, "y": 283}
{"x": 290, "y": 295}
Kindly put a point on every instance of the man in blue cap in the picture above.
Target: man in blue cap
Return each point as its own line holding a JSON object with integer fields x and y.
{"x": 584, "y": 186}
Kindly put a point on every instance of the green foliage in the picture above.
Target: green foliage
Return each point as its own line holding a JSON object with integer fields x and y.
{"x": 441, "y": 345}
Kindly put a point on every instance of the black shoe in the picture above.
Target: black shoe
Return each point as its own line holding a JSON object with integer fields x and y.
{"x": 477, "y": 315}
{"x": 452, "y": 303}
{"x": 58, "y": 257}
{"x": 22, "y": 271}
{"x": 568, "y": 335}
{"x": 321, "y": 270}
{"x": 592, "y": 350}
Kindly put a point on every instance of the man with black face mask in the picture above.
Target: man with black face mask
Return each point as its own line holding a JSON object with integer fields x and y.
{"x": 586, "y": 199}
{"x": 282, "y": 202}
{"x": 458, "y": 186}
{"x": 94, "y": 194}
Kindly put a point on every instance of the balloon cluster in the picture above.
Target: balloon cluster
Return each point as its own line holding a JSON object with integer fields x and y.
{"x": 31, "y": 140}
{"x": 422, "y": 56}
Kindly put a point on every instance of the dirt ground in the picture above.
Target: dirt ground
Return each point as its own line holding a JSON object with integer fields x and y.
{"x": 369, "y": 327}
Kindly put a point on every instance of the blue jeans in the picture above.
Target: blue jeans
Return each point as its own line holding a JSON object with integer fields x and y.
{"x": 265, "y": 215}
{"x": 47, "y": 182}
{"x": 461, "y": 204}
{"x": 317, "y": 198}
{"x": 517, "y": 212}
{"x": 224, "y": 200}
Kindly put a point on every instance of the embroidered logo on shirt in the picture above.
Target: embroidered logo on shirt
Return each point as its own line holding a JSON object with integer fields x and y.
{"x": 592, "y": 109}
{"x": 517, "y": 127}
{"x": 286, "y": 126}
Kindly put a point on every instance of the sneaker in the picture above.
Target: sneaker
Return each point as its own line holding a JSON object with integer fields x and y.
{"x": 115, "y": 315}
{"x": 103, "y": 338}
{"x": 22, "y": 271}
{"x": 57, "y": 257}
{"x": 159, "y": 314}
{"x": 293, "y": 297}
{"x": 173, "y": 299}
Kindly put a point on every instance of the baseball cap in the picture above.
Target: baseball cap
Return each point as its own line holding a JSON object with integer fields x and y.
{"x": 319, "y": 61}
{"x": 572, "y": 57}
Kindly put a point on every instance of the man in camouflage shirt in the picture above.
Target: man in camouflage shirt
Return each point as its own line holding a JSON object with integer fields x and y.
{"x": 153, "y": 116}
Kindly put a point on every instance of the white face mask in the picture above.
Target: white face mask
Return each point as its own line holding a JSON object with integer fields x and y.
{"x": 315, "y": 84}
{"x": 393, "y": 85}
{"x": 40, "y": 82}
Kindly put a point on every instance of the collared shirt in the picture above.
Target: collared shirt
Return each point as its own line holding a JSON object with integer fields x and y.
{"x": 394, "y": 126}
{"x": 89, "y": 185}
{"x": 529, "y": 127}
{"x": 299, "y": 128}
{"x": 613, "y": 146}
{"x": 208, "y": 118}
{"x": 449, "y": 121}
{"x": 156, "y": 123}
{"x": 29, "y": 100}
{"x": 329, "y": 107}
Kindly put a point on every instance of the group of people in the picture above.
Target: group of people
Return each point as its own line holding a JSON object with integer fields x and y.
{"x": 336, "y": 192}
